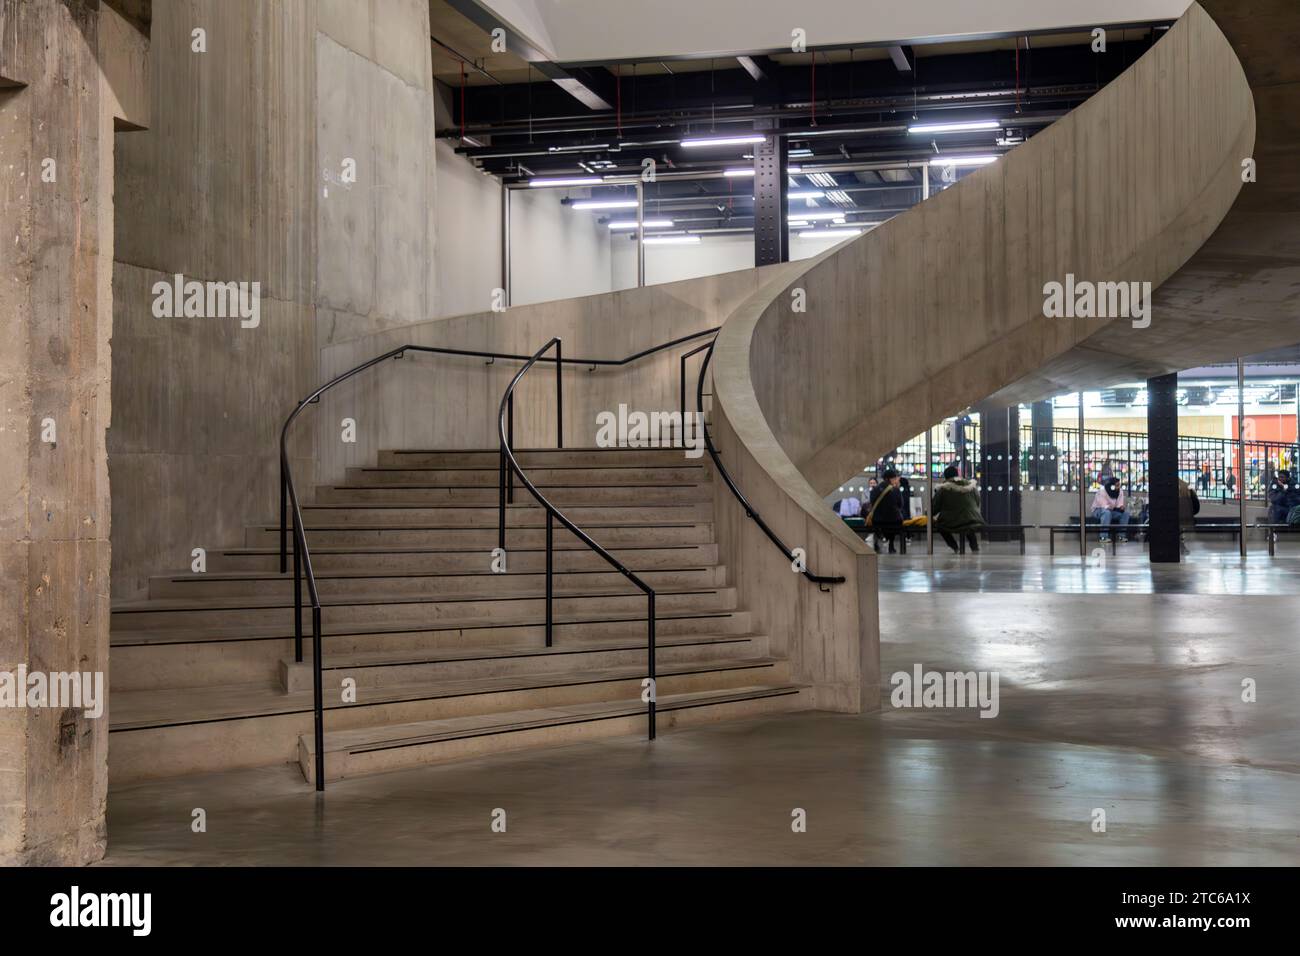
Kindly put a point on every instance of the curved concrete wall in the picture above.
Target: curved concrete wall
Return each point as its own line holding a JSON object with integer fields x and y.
{"x": 943, "y": 306}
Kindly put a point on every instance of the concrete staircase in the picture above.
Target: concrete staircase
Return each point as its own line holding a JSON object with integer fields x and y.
{"x": 448, "y": 659}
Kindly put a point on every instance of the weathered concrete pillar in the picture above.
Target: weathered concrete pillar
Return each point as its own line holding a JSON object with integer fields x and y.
{"x": 59, "y": 63}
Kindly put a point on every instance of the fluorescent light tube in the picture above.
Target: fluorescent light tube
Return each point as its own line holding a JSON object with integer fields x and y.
{"x": 722, "y": 141}
{"x": 605, "y": 204}
{"x": 648, "y": 223}
{"x": 954, "y": 127}
{"x": 570, "y": 181}
{"x": 963, "y": 160}
{"x": 829, "y": 233}
{"x": 738, "y": 173}
{"x": 806, "y": 194}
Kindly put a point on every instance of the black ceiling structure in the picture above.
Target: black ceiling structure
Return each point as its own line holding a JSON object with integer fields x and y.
{"x": 844, "y": 121}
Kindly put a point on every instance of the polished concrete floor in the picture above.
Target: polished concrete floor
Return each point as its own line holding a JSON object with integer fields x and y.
{"x": 1127, "y": 697}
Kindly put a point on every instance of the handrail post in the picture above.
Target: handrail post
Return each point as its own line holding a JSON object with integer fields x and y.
{"x": 550, "y": 587}
{"x": 654, "y": 685}
{"x": 510, "y": 443}
{"x": 318, "y": 693}
{"x": 501, "y": 505}
{"x": 682, "y": 403}
{"x": 297, "y": 591}
{"x": 283, "y": 518}
{"x": 559, "y": 395}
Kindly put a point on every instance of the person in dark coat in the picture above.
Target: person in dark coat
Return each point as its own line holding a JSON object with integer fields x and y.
{"x": 956, "y": 510}
{"x": 885, "y": 516}
{"x": 1282, "y": 497}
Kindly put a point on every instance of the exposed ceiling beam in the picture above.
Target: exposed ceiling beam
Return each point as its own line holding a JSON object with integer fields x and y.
{"x": 903, "y": 58}
{"x": 752, "y": 68}
{"x": 579, "y": 88}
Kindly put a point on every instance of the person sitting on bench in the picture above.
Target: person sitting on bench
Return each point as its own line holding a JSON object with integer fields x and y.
{"x": 956, "y": 510}
{"x": 1109, "y": 507}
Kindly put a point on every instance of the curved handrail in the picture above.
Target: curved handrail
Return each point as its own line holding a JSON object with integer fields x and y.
{"x": 438, "y": 350}
{"x": 508, "y": 460}
{"x": 821, "y": 580}
{"x": 302, "y": 563}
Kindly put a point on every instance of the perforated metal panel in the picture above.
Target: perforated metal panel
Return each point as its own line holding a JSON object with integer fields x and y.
{"x": 771, "y": 236}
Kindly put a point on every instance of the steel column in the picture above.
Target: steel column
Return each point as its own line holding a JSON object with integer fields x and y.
{"x": 1241, "y": 453}
{"x": 1165, "y": 531}
{"x": 1083, "y": 488}
{"x": 771, "y": 222}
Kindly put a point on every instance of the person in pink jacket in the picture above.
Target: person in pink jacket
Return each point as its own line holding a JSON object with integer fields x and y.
{"x": 1109, "y": 506}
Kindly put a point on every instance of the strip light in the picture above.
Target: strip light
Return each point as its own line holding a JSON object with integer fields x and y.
{"x": 671, "y": 240}
{"x": 605, "y": 204}
{"x": 738, "y": 173}
{"x": 648, "y": 223}
{"x": 954, "y": 127}
{"x": 829, "y": 233}
{"x": 963, "y": 160}
{"x": 722, "y": 141}
{"x": 572, "y": 181}
{"x": 806, "y": 194}
{"x": 821, "y": 216}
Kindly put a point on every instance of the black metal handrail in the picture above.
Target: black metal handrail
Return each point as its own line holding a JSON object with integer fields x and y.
{"x": 508, "y": 461}
{"x": 821, "y": 580}
{"x": 290, "y": 506}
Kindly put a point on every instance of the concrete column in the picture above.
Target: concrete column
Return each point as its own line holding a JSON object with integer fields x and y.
{"x": 1162, "y": 467}
{"x": 59, "y": 63}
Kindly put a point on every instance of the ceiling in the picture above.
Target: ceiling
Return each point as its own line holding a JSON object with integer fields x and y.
{"x": 843, "y": 113}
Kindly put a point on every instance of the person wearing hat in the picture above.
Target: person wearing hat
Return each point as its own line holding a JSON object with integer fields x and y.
{"x": 1110, "y": 507}
{"x": 956, "y": 510}
{"x": 885, "y": 517}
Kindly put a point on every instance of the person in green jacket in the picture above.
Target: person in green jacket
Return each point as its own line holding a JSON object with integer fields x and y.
{"x": 956, "y": 510}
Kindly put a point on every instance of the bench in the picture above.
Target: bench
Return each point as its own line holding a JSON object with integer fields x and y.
{"x": 1017, "y": 529}
{"x": 1271, "y": 531}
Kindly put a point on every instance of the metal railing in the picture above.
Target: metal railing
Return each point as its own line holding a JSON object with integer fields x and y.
{"x": 553, "y": 514}
{"x": 292, "y": 524}
{"x": 821, "y": 580}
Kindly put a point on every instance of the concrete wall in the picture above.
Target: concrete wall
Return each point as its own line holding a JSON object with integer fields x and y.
{"x": 242, "y": 178}
{"x": 558, "y": 253}
{"x": 441, "y": 402}
{"x": 712, "y": 255}
{"x": 69, "y": 71}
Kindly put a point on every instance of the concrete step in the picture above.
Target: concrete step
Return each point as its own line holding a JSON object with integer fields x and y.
{"x": 533, "y": 457}
{"x": 522, "y": 514}
{"x": 562, "y": 496}
{"x": 384, "y": 668}
{"x": 164, "y": 733}
{"x": 432, "y": 560}
{"x": 426, "y": 585}
{"x": 178, "y": 657}
{"x": 365, "y": 608}
{"x": 585, "y": 475}
{"x": 424, "y": 535}
{"x": 362, "y": 751}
